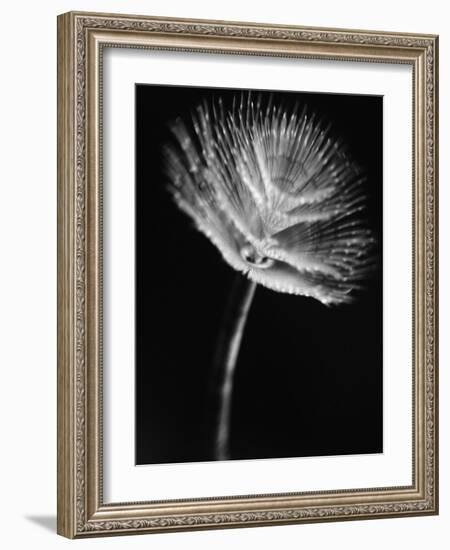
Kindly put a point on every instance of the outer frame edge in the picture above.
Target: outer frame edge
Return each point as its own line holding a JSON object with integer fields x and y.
{"x": 65, "y": 121}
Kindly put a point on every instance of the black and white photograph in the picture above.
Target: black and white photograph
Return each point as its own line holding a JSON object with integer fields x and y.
{"x": 258, "y": 286}
{"x": 247, "y": 282}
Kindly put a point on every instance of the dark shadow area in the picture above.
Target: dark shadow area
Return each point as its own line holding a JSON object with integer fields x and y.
{"x": 46, "y": 522}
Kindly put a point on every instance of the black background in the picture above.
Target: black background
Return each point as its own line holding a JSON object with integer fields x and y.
{"x": 309, "y": 377}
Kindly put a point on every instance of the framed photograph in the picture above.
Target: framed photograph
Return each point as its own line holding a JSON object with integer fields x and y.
{"x": 247, "y": 276}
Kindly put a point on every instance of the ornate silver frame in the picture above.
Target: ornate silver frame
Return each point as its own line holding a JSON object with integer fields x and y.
{"x": 81, "y": 510}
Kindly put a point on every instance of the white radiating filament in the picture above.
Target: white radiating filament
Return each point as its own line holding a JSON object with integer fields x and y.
{"x": 276, "y": 193}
